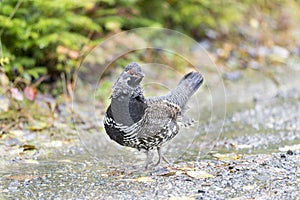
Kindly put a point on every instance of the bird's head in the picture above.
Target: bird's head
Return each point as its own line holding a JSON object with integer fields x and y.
{"x": 132, "y": 74}
{"x": 129, "y": 80}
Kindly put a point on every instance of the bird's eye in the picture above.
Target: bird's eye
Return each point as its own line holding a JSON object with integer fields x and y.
{"x": 132, "y": 72}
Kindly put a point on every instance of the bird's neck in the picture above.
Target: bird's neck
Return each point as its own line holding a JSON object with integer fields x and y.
{"x": 120, "y": 109}
{"x": 128, "y": 109}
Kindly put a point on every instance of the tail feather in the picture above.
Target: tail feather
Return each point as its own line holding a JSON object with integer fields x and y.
{"x": 191, "y": 81}
{"x": 187, "y": 86}
{"x": 181, "y": 93}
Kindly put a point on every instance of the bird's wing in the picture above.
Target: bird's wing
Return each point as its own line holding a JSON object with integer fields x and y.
{"x": 158, "y": 116}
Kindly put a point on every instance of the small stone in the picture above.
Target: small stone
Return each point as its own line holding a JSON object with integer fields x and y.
{"x": 289, "y": 152}
{"x": 201, "y": 191}
{"x": 233, "y": 76}
{"x": 254, "y": 65}
{"x": 282, "y": 156}
{"x": 279, "y": 54}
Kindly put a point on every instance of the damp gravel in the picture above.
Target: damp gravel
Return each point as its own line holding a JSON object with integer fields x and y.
{"x": 274, "y": 176}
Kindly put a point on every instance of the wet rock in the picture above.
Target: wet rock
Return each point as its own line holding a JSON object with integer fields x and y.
{"x": 263, "y": 51}
{"x": 233, "y": 76}
{"x": 289, "y": 152}
{"x": 14, "y": 185}
{"x": 254, "y": 65}
{"x": 278, "y": 54}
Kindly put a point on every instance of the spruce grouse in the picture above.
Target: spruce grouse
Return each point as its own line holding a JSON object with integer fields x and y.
{"x": 146, "y": 123}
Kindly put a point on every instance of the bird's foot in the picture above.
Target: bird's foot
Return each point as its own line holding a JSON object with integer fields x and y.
{"x": 160, "y": 157}
{"x": 149, "y": 160}
{"x": 159, "y": 161}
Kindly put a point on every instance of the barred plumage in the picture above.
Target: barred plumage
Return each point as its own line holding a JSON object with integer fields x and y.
{"x": 134, "y": 121}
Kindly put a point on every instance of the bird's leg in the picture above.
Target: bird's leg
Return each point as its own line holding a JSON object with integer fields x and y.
{"x": 148, "y": 159}
{"x": 161, "y": 157}
{"x": 165, "y": 159}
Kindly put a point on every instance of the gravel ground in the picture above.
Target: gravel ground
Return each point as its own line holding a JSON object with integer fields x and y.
{"x": 256, "y": 157}
{"x": 275, "y": 176}
{"x": 228, "y": 172}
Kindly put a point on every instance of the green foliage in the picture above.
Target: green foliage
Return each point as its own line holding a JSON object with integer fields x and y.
{"x": 48, "y": 37}
{"x": 31, "y": 31}
{"x": 192, "y": 17}
{"x": 44, "y": 37}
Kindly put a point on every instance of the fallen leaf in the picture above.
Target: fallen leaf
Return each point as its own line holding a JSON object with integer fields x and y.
{"x": 30, "y": 93}
{"x": 21, "y": 177}
{"x": 200, "y": 174}
{"x": 228, "y": 156}
{"x": 170, "y": 173}
{"x": 31, "y": 161}
{"x": 38, "y": 125}
{"x": 185, "y": 168}
{"x": 28, "y": 147}
{"x": 144, "y": 179}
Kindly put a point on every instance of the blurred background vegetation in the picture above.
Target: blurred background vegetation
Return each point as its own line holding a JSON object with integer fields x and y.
{"x": 43, "y": 42}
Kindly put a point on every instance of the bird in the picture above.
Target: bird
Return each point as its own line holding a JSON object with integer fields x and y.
{"x": 142, "y": 123}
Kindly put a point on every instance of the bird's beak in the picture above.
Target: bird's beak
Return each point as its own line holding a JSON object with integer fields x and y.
{"x": 140, "y": 75}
